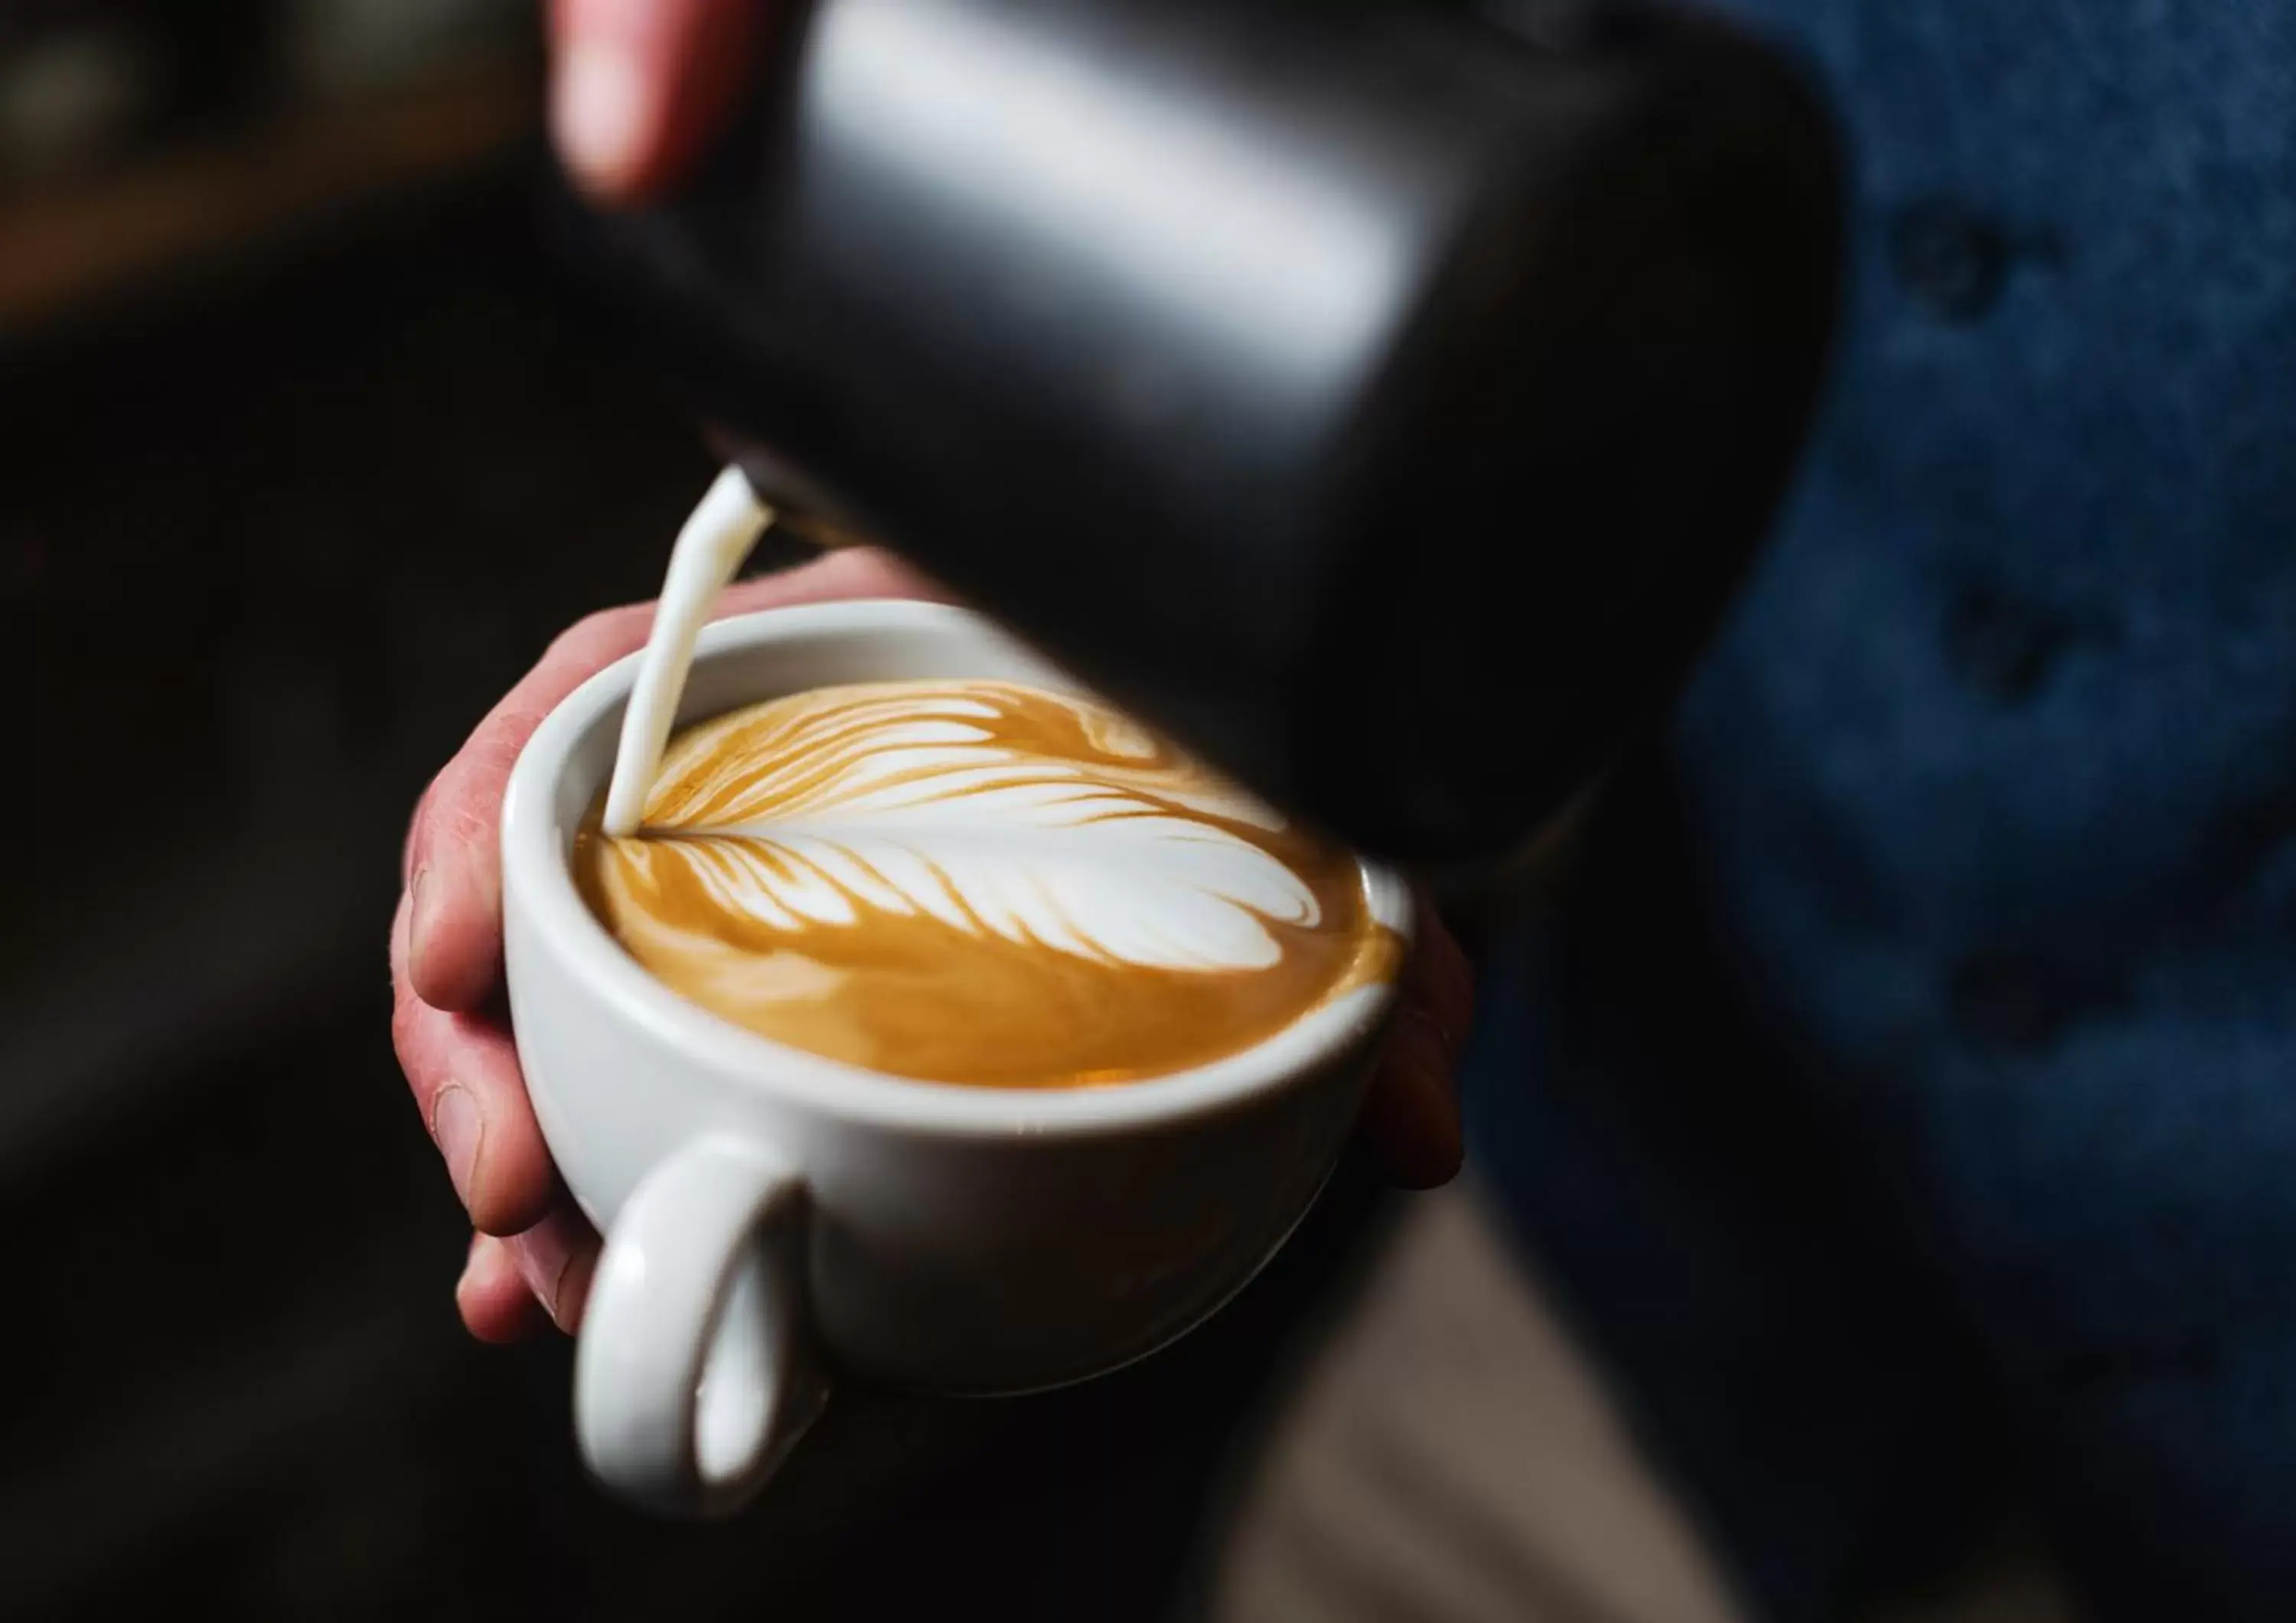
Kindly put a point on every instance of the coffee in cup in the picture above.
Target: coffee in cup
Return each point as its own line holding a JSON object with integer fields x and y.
{"x": 775, "y": 1219}
{"x": 977, "y": 881}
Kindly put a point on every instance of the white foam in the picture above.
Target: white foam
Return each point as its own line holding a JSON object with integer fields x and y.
{"x": 993, "y": 841}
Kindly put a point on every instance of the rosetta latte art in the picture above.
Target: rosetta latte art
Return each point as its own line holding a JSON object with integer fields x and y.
{"x": 976, "y": 881}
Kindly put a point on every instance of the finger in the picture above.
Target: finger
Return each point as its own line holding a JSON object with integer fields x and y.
{"x": 406, "y": 845}
{"x": 464, "y": 1072}
{"x": 640, "y": 88}
{"x": 1411, "y": 1115}
{"x": 556, "y": 1258}
{"x": 492, "y": 1295}
{"x": 454, "y": 854}
{"x": 1440, "y": 980}
{"x": 455, "y": 891}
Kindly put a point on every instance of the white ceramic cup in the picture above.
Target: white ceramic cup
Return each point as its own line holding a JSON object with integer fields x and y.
{"x": 771, "y": 1215}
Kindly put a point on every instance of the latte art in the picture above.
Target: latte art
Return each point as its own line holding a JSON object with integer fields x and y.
{"x": 977, "y": 882}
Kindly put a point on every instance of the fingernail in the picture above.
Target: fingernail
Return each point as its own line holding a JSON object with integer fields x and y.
{"x": 547, "y": 1262}
{"x": 457, "y": 1127}
{"x": 573, "y": 1292}
{"x": 599, "y": 112}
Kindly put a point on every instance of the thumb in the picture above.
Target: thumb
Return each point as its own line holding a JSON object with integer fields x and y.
{"x": 639, "y": 88}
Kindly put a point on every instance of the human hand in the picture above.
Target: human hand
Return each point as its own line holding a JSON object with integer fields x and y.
{"x": 533, "y": 1253}
{"x": 640, "y": 88}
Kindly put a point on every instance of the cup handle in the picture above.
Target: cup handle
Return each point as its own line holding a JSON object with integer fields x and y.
{"x": 694, "y": 1376}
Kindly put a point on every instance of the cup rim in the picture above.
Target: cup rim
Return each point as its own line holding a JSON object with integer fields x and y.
{"x": 536, "y": 873}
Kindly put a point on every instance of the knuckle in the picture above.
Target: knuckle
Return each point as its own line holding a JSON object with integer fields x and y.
{"x": 418, "y": 824}
{"x": 492, "y": 755}
{"x": 472, "y": 825}
{"x": 405, "y": 1027}
{"x": 574, "y": 637}
{"x": 463, "y": 804}
{"x": 601, "y": 635}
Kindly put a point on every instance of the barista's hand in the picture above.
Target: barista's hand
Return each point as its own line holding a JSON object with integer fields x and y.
{"x": 639, "y": 88}
{"x": 533, "y": 1253}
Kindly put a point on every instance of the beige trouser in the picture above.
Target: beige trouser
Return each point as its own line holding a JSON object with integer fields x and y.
{"x": 1452, "y": 1458}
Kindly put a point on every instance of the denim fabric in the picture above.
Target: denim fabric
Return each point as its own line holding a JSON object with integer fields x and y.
{"x": 1979, "y": 823}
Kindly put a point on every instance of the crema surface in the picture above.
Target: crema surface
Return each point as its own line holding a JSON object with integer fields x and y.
{"x": 977, "y": 882}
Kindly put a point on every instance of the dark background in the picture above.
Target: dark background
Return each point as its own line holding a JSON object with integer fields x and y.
{"x": 297, "y": 473}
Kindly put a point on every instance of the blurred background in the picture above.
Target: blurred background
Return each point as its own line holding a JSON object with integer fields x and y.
{"x": 297, "y": 476}
{"x": 297, "y": 473}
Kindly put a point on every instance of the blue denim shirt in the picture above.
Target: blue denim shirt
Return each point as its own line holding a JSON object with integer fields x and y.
{"x": 1908, "y": 1093}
